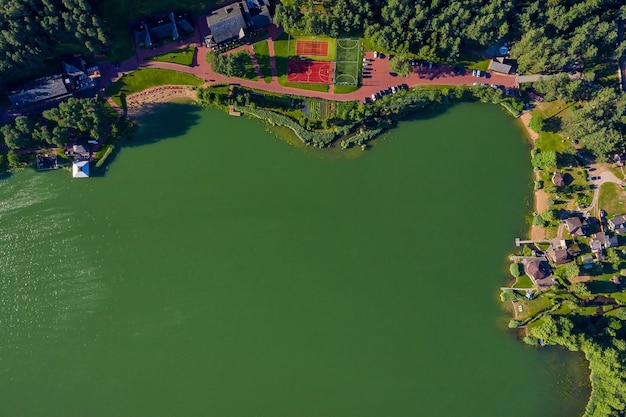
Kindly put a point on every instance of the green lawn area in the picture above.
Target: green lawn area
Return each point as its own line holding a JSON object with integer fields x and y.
{"x": 262, "y": 54}
{"x": 549, "y": 141}
{"x": 345, "y": 89}
{"x": 182, "y": 56}
{"x": 472, "y": 61}
{"x": 612, "y": 199}
{"x": 143, "y": 79}
{"x": 523, "y": 282}
{"x": 533, "y": 307}
{"x": 118, "y": 13}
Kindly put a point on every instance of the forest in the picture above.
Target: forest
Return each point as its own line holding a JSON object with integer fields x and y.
{"x": 34, "y": 32}
{"x": 548, "y": 35}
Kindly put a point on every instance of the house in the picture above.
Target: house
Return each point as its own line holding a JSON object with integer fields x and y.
{"x": 576, "y": 226}
{"x": 558, "y": 256}
{"x": 78, "y": 76}
{"x": 539, "y": 272}
{"x": 499, "y": 66}
{"x": 236, "y": 20}
{"x": 558, "y": 179}
{"x": 601, "y": 241}
{"x": 80, "y": 169}
{"x": 587, "y": 261}
{"x": 618, "y": 224}
{"x": 165, "y": 27}
{"x": 38, "y": 93}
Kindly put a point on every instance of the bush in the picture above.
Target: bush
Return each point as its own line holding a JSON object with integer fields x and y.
{"x": 513, "y": 324}
{"x": 538, "y": 185}
{"x": 515, "y": 270}
{"x": 536, "y": 123}
{"x": 538, "y": 221}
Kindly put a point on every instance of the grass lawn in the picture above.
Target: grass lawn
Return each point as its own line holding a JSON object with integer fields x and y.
{"x": 471, "y": 61}
{"x": 533, "y": 307}
{"x": 612, "y": 199}
{"x": 523, "y": 282}
{"x": 143, "y": 79}
{"x": 116, "y": 14}
{"x": 182, "y": 56}
{"x": 262, "y": 54}
{"x": 345, "y": 89}
{"x": 549, "y": 141}
{"x": 332, "y": 47}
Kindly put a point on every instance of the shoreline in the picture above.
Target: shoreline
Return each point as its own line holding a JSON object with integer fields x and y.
{"x": 144, "y": 101}
{"x": 540, "y": 198}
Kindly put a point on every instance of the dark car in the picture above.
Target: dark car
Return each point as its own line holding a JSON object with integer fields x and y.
{"x": 393, "y": 74}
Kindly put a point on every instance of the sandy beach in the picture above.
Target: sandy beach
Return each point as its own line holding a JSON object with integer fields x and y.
{"x": 540, "y": 196}
{"x": 144, "y": 101}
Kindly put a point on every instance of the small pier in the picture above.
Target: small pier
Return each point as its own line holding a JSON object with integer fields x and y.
{"x": 232, "y": 111}
{"x": 519, "y": 242}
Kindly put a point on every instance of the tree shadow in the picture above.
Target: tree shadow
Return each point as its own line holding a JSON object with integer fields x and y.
{"x": 159, "y": 121}
{"x": 164, "y": 121}
{"x": 552, "y": 124}
{"x": 430, "y": 112}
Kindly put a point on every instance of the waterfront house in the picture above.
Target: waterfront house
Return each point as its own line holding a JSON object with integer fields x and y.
{"x": 80, "y": 169}
{"x": 576, "y": 226}
{"x": 618, "y": 224}
{"x": 540, "y": 273}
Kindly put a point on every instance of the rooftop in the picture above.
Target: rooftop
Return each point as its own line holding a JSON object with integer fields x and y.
{"x": 39, "y": 92}
{"x": 227, "y": 22}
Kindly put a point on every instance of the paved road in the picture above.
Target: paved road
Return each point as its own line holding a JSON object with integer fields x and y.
{"x": 381, "y": 77}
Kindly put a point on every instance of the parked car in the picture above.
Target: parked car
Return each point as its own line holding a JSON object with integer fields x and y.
{"x": 593, "y": 178}
{"x": 474, "y": 73}
{"x": 393, "y": 74}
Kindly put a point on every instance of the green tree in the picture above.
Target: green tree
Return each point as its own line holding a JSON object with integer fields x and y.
{"x": 515, "y": 269}
{"x": 581, "y": 290}
{"x": 544, "y": 160}
{"x": 536, "y": 123}
{"x": 401, "y": 65}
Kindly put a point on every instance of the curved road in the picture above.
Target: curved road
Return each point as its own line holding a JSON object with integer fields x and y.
{"x": 381, "y": 77}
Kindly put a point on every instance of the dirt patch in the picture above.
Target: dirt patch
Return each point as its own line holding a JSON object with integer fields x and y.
{"x": 525, "y": 120}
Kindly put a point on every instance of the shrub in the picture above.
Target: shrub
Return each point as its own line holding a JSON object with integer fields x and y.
{"x": 515, "y": 270}
{"x": 538, "y": 185}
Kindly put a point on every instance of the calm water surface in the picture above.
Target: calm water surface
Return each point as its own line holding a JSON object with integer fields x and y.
{"x": 217, "y": 271}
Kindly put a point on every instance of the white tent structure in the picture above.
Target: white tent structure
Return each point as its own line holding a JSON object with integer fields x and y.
{"x": 80, "y": 169}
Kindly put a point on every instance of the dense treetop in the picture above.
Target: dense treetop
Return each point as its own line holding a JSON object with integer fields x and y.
{"x": 32, "y": 31}
{"x": 552, "y": 34}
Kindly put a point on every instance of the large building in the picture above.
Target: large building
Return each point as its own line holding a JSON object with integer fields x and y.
{"x": 234, "y": 21}
{"x": 38, "y": 93}
{"x": 169, "y": 27}
{"x": 78, "y": 76}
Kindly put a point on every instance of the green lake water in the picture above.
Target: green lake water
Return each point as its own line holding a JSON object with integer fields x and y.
{"x": 216, "y": 270}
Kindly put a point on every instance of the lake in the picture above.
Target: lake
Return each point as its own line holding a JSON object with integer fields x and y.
{"x": 217, "y": 270}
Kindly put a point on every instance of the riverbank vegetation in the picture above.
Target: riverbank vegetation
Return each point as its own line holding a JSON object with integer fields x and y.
{"x": 323, "y": 123}
{"x": 71, "y": 122}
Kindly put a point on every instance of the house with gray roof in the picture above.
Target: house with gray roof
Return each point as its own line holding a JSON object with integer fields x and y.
{"x": 234, "y": 21}
{"x": 618, "y": 224}
{"x": 576, "y": 226}
{"x": 38, "y": 93}
{"x": 500, "y": 67}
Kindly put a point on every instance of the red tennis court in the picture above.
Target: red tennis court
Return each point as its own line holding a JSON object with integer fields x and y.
{"x": 311, "y": 48}
{"x": 300, "y": 71}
